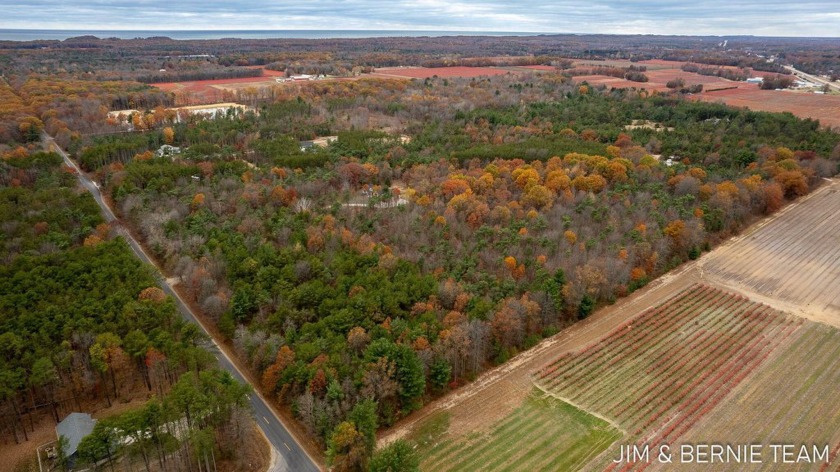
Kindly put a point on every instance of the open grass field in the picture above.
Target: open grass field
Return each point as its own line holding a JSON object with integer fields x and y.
{"x": 794, "y": 260}
{"x": 543, "y": 434}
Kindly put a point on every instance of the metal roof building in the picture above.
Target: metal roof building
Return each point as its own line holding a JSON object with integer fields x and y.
{"x": 75, "y": 427}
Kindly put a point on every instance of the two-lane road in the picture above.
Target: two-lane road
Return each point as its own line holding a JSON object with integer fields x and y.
{"x": 291, "y": 455}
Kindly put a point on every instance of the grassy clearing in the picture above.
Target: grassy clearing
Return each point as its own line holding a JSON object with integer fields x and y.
{"x": 542, "y": 434}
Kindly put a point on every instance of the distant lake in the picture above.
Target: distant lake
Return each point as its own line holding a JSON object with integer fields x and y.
{"x": 35, "y": 34}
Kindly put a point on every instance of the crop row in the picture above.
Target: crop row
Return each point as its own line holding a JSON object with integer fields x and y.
{"x": 651, "y": 324}
{"x": 563, "y": 360}
{"x": 660, "y": 373}
{"x": 717, "y": 387}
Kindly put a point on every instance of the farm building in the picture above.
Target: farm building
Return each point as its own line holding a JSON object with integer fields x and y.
{"x": 298, "y": 78}
{"x": 74, "y": 428}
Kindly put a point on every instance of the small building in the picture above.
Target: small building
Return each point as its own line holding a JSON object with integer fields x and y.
{"x": 168, "y": 151}
{"x": 74, "y": 428}
{"x": 322, "y": 141}
{"x": 755, "y": 80}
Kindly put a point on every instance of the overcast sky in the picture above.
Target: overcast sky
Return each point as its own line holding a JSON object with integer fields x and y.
{"x": 688, "y": 17}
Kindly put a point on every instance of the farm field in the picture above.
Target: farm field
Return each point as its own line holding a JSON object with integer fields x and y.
{"x": 825, "y": 108}
{"x": 210, "y": 91}
{"x": 615, "y": 82}
{"x": 651, "y": 65}
{"x": 659, "y": 73}
{"x": 760, "y": 411}
{"x": 792, "y": 261}
{"x": 661, "y": 372}
{"x": 541, "y": 434}
{"x": 662, "y": 76}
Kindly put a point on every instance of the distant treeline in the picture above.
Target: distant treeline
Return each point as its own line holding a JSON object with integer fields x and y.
{"x": 633, "y": 73}
{"x": 777, "y": 82}
{"x": 728, "y": 60}
{"x": 722, "y": 72}
{"x": 499, "y": 61}
{"x": 213, "y": 74}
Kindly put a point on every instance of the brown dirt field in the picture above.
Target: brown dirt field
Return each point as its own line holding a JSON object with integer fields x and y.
{"x": 825, "y": 108}
{"x": 793, "y": 260}
{"x": 267, "y": 72}
{"x": 428, "y": 72}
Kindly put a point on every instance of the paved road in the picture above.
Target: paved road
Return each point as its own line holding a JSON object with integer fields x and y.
{"x": 813, "y": 78}
{"x": 291, "y": 456}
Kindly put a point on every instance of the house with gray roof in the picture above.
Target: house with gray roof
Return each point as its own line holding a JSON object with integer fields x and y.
{"x": 75, "y": 427}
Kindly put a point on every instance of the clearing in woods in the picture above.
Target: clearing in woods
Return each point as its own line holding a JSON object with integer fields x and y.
{"x": 543, "y": 434}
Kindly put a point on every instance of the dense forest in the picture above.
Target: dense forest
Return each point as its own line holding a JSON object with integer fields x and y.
{"x": 375, "y": 274}
{"x": 84, "y": 324}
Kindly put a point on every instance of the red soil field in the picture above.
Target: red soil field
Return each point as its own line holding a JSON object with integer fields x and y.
{"x": 825, "y": 108}
{"x": 427, "y": 72}
{"x": 209, "y": 91}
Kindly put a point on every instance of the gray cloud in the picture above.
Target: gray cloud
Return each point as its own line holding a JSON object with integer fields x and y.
{"x": 765, "y": 17}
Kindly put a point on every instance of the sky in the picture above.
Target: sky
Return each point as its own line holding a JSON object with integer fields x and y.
{"x": 685, "y": 17}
